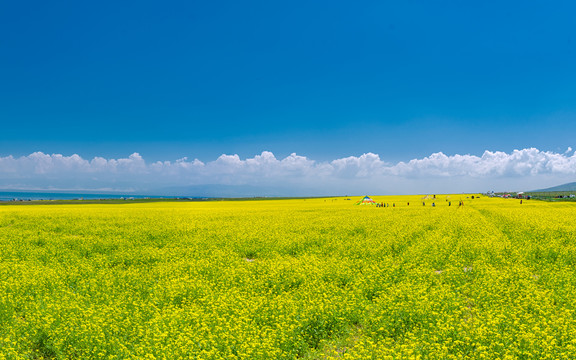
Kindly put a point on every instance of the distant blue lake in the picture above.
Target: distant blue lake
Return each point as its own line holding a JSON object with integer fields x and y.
{"x": 9, "y": 196}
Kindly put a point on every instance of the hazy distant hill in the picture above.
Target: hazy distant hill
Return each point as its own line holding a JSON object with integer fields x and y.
{"x": 220, "y": 191}
{"x": 564, "y": 187}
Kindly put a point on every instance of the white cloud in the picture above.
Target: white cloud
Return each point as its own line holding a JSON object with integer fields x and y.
{"x": 526, "y": 162}
{"x": 297, "y": 174}
{"x": 363, "y": 166}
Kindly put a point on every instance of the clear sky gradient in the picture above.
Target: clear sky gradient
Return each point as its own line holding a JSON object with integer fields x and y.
{"x": 323, "y": 79}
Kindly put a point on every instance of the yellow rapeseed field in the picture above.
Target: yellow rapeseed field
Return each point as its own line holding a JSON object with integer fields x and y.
{"x": 288, "y": 279}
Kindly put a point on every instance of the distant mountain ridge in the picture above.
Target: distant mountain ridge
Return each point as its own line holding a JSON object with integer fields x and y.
{"x": 564, "y": 187}
{"x": 219, "y": 191}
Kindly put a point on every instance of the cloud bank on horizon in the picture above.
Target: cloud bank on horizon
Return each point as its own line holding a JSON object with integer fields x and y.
{"x": 293, "y": 175}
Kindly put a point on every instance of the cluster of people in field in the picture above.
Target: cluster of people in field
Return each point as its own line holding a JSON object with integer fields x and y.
{"x": 381, "y": 204}
{"x": 430, "y": 200}
{"x": 460, "y": 204}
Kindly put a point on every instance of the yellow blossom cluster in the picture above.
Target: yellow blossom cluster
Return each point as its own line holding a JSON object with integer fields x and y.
{"x": 290, "y": 279}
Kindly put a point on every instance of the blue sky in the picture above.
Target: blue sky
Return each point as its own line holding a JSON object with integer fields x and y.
{"x": 325, "y": 80}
